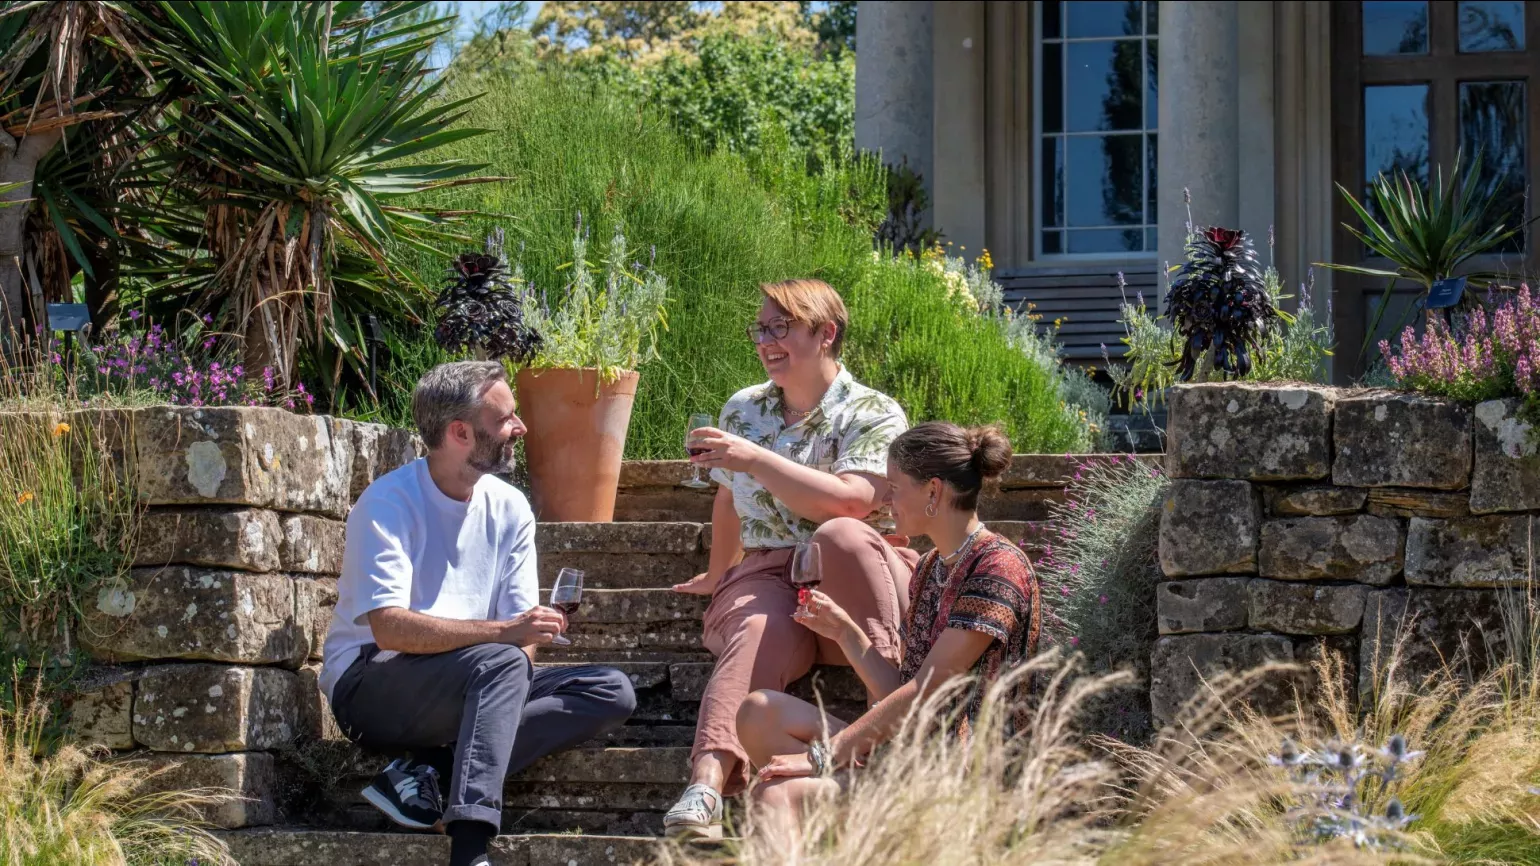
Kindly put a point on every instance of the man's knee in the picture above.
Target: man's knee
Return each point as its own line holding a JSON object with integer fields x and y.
{"x": 620, "y": 694}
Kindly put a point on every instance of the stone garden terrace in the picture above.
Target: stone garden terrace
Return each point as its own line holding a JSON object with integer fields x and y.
{"x": 205, "y": 660}
{"x": 1297, "y": 517}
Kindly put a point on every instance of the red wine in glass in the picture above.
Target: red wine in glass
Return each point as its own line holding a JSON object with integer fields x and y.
{"x": 567, "y": 597}
{"x": 697, "y": 421}
{"x": 806, "y": 572}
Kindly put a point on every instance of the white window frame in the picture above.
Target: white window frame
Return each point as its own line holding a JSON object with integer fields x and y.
{"x": 1035, "y": 218}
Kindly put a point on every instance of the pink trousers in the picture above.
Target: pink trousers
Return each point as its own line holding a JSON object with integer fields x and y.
{"x": 759, "y": 646}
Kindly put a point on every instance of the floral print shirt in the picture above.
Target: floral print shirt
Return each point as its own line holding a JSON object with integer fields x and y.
{"x": 848, "y": 431}
{"x": 989, "y": 589}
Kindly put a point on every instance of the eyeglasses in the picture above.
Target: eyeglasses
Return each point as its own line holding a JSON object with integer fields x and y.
{"x": 776, "y": 330}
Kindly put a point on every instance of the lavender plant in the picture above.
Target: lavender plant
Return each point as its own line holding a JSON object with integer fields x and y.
{"x": 607, "y": 318}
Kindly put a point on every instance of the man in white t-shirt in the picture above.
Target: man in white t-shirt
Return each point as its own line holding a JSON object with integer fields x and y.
{"x": 438, "y": 619}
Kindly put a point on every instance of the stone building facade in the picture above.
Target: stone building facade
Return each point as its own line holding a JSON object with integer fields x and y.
{"x": 1061, "y": 134}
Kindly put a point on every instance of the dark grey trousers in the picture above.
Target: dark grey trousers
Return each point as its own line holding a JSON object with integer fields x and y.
{"x": 496, "y": 712}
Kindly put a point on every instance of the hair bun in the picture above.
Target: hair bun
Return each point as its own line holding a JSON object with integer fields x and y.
{"x": 991, "y": 451}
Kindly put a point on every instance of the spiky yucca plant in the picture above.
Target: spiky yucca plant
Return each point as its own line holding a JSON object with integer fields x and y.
{"x": 480, "y": 309}
{"x": 1218, "y": 302}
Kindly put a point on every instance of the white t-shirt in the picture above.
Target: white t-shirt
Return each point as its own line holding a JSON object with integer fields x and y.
{"x": 410, "y": 546}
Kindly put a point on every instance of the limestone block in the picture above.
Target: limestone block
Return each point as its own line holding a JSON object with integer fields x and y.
{"x": 631, "y": 538}
{"x": 243, "y": 455}
{"x": 640, "y": 606}
{"x": 325, "y": 595}
{"x": 1440, "y": 626}
{"x": 308, "y": 616}
{"x": 1249, "y": 431}
{"x": 195, "y": 613}
{"x": 1472, "y": 551}
{"x": 311, "y": 544}
{"x": 1304, "y": 608}
{"x": 623, "y": 570}
{"x": 313, "y": 847}
{"x": 101, "y": 714}
{"x": 687, "y": 680}
{"x": 630, "y": 765}
{"x": 1314, "y": 501}
{"x": 1362, "y": 548}
{"x": 1209, "y": 527}
{"x": 1201, "y": 605}
{"x": 1180, "y": 664}
{"x": 1506, "y": 475}
{"x": 1412, "y": 502}
{"x": 241, "y": 538}
{"x": 1385, "y": 439}
{"x": 244, "y": 784}
{"x": 316, "y": 721}
{"x": 378, "y": 450}
{"x": 213, "y": 709}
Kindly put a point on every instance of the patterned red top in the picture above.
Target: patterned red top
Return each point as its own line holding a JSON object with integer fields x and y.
{"x": 991, "y": 589}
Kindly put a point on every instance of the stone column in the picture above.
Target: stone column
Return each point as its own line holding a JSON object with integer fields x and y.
{"x": 1199, "y": 119}
{"x": 894, "y": 111}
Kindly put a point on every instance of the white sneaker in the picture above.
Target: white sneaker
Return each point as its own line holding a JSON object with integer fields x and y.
{"x": 697, "y": 815}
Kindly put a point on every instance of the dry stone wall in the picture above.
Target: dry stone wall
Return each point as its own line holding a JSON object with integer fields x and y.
{"x": 207, "y": 653}
{"x": 1302, "y": 517}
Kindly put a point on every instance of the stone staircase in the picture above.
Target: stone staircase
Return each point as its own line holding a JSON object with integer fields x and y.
{"x": 207, "y": 657}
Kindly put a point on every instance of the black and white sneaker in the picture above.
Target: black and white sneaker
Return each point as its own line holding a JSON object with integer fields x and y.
{"x": 408, "y": 794}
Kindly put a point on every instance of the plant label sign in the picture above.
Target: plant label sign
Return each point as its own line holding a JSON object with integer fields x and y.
{"x": 68, "y": 317}
{"x": 1446, "y": 293}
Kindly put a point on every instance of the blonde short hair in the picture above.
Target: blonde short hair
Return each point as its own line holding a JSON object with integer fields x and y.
{"x": 813, "y": 303}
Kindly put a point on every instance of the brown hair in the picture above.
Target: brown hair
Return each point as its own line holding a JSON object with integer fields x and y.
{"x": 963, "y": 458}
{"x": 813, "y": 303}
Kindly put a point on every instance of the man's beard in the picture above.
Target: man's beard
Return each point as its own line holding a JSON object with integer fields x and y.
{"x": 492, "y": 454}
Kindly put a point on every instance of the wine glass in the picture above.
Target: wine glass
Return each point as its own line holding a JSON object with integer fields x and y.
{"x": 697, "y": 421}
{"x": 806, "y": 572}
{"x": 566, "y": 596}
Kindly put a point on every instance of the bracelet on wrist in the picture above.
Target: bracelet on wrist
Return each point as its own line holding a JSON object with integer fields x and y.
{"x": 818, "y": 755}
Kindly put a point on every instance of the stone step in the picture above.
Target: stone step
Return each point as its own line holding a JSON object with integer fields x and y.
{"x": 657, "y": 555}
{"x": 303, "y": 846}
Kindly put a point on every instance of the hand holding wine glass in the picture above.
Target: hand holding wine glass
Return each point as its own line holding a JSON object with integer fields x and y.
{"x": 697, "y": 421}
{"x": 567, "y": 596}
{"x": 806, "y": 572}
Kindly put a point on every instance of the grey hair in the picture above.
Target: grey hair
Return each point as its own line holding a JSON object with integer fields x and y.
{"x": 451, "y": 392}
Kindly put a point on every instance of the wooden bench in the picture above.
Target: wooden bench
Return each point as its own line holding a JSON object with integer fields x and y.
{"x": 1086, "y": 300}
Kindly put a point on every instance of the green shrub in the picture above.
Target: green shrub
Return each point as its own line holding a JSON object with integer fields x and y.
{"x": 723, "y": 223}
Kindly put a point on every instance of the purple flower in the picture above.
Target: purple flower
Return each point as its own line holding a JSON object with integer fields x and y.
{"x": 133, "y": 315}
{"x": 1102, "y": 599}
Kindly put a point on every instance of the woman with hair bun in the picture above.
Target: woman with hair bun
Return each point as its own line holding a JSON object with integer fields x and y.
{"x": 973, "y": 611}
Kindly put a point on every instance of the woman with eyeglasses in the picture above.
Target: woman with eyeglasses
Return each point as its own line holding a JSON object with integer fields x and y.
{"x": 801, "y": 458}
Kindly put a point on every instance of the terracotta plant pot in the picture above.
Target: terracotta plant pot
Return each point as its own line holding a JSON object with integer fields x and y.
{"x": 577, "y": 435}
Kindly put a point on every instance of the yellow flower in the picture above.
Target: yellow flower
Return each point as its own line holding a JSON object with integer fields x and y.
{"x": 60, "y": 429}
{"x": 24, "y": 498}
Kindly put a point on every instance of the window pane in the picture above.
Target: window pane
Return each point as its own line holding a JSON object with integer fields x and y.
{"x": 1053, "y": 243}
{"x": 1104, "y": 241}
{"x": 1053, "y": 182}
{"x": 1094, "y": 18}
{"x": 1492, "y": 25}
{"x": 1395, "y": 27}
{"x": 1052, "y": 29}
{"x": 1149, "y": 193}
{"x": 1151, "y": 88}
{"x": 1396, "y": 130}
{"x": 1104, "y": 180}
{"x": 1492, "y": 125}
{"x": 1053, "y": 87}
{"x": 1149, "y": 240}
{"x": 1106, "y": 85}
{"x": 1152, "y": 16}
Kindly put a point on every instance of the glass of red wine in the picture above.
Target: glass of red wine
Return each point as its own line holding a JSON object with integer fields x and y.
{"x": 567, "y": 596}
{"x": 806, "y": 572}
{"x": 697, "y": 421}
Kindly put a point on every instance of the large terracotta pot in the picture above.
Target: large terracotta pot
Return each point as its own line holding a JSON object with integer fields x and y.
{"x": 577, "y": 435}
